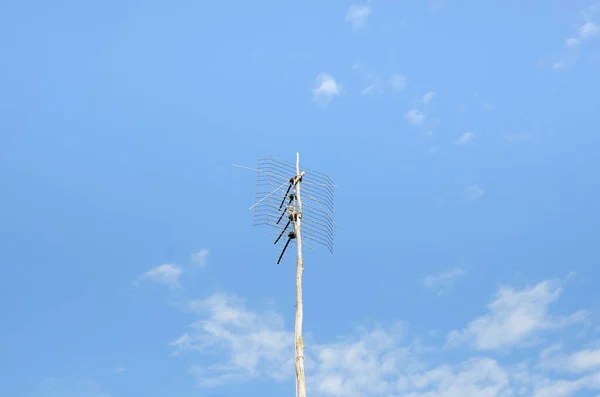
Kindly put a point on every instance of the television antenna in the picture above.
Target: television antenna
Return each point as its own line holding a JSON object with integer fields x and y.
{"x": 299, "y": 205}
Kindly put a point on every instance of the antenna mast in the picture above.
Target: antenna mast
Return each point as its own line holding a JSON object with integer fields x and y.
{"x": 300, "y": 381}
{"x": 279, "y": 195}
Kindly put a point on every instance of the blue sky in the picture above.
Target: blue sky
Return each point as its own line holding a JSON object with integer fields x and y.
{"x": 462, "y": 137}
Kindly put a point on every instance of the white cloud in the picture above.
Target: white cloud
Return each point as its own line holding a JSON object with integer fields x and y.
{"x": 358, "y": 14}
{"x": 591, "y": 11}
{"x": 519, "y": 137}
{"x": 474, "y": 192}
{"x": 255, "y": 344}
{"x": 199, "y": 258}
{"x": 433, "y": 150}
{"x": 584, "y": 360}
{"x": 436, "y": 5}
{"x": 428, "y": 97}
{"x": 585, "y": 31}
{"x": 415, "y": 117}
{"x": 358, "y": 366}
{"x": 465, "y": 138}
{"x": 374, "y": 87}
{"x": 443, "y": 281}
{"x": 119, "y": 370}
{"x": 326, "y": 88}
{"x": 384, "y": 361}
{"x": 482, "y": 377}
{"x": 369, "y": 89}
{"x": 514, "y": 318}
{"x": 398, "y": 82}
{"x": 570, "y": 42}
{"x": 167, "y": 274}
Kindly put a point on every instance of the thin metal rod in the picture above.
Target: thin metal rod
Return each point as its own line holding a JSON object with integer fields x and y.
{"x": 309, "y": 233}
{"x": 316, "y": 211}
{"x": 322, "y": 200}
{"x": 267, "y": 196}
{"x": 318, "y": 202}
{"x": 304, "y": 242}
{"x": 322, "y": 185}
{"x": 273, "y": 163}
{"x": 324, "y": 196}
{"x": 281, "y": 217}
{"x": 284, "y": 163}
{"x": 306, "y": 169}
{"x": 275, "y": 204}
{"x": 315, "y": 227}
{"x": 311, "y": 248}
{"x": 259, "y": 171}
{"x": 322, "y": 238}
{"x": 284, "y": 196}
{"x": 319, "y": 242}
{"x": 265, "y": 175}
{"x": 284, "y": 248}
{"x": 318, "y": 222}
{"x": 270, "y": 205}
{"x": 283, "y": 231}
{"x": 316, "y": 233}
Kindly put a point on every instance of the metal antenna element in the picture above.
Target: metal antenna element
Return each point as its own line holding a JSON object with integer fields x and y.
{"x": 274, "y": 201}
{"x": 278, "y": 195}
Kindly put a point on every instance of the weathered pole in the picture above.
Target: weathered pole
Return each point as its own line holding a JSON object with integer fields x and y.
{"x": 300, "y": 381}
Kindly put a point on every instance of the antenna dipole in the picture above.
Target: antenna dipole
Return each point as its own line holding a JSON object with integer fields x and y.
{"x": 280, "y": 203}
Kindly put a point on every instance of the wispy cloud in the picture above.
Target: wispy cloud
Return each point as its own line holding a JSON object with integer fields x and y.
{"x": 465, "y": 138}
{"x": 520, "y": 137}
{"x": 254, "y": 344}
{"x": 167, "y": 274}
{"x": 428, "y": 97}
{"x": 358, "y": 14}
{"x": 444, "y": 281}
{"x": 386, "y": 361}
{"x": 199, "y": 258}
{"x": 368, "y": 89}
{"x": 585, "y": 32}
{"x": 119, "y": 370}
{"x": 580, "y": 361}
{"x": 414, "y": 117}
{"x": 326, "y": 88}
{"x": 473, "y": 193}
{"x": 584, "y": 360}
{"x": 398, "y": 82}
{"x": 366, "y": 364}
{"x": 436, "y": 5}
{"x": 433, "y": 150}
{"x": 374, "y": 86}
{"x": 514, "y": 318}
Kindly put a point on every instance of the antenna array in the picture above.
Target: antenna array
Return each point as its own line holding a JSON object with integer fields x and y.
{"x": 276, "y": 205}
{"x": 303, "y": 199}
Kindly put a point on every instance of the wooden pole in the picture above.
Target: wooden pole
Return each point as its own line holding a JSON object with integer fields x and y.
{"x": 300, "y": 381}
